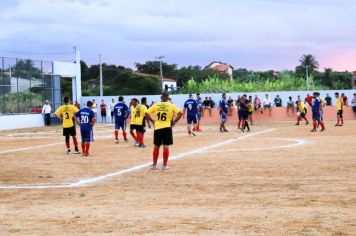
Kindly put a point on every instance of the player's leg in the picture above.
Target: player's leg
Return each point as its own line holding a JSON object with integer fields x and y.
{"x": 66, "y": 138}
{"x": 341, "y": 118}
{"x": 132, "y": 128}
{"x": 140, "y": 136}
{"x": 315, "y": 119}
{"x": 88, "y": 140}
{"x": 157, "y": 141}
{"x": 82, "y": 134}
{"x": 223, "y": 121}
{"x": 250, "y": 116}
{"x": 116, "y": 132}
{"x": 338, "y": 118}
{"x": 124, "y": 134}
{"x": 73, "y": 133}
{"x": 167, "y": 141}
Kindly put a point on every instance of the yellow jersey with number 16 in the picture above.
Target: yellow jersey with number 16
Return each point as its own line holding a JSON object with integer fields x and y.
{"x": 163, "y": 113}
{"x": 67, "y": 113}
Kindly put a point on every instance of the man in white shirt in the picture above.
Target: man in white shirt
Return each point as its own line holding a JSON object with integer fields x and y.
{"x": 267, "y": 104}
{"x": 112, "y": 109}
{"x": 46, "y": 111}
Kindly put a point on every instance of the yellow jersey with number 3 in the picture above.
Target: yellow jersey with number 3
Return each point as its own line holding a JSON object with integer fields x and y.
{"x": 163, "y": 113}
{"x": 140, "y": 114}
{"x": 133, "y": 115}
{"x": 67, "y": 113}
{"x": 340, "y": 104}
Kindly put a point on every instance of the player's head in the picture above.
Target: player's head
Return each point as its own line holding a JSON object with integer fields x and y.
{"x": 46, "y": 101}
{"x": 121, "y": 99}
{"x": 102, "y": 101}
{"x": 89, "y": 104}
{"x": 66, "y": 100}
{"x": 267, "y": 95}
{"x": 244, "y": 95}
{"x": 165, "y": 97}
{"x": 144, "y": 100}
{"x": 327, "y": 95}
{"x": 134, "y": 101}
{"x": 315, "y": 94}
{"x": 250, "y": 97}
{"x": 337, "y": 94}
{"x": 277, "y": 96}
{"x": 190, "y": 95}
{"x": 342, "y": 94}
{"x": 198, "y": 95}
{"x": 224, "y": 95}
{"x": 112, "y": 100}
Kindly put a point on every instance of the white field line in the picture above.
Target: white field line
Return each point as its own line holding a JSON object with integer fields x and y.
{"x": 92, "y": 180}
{"x": 45, "y": 145}
{"x": 297, "y": 142}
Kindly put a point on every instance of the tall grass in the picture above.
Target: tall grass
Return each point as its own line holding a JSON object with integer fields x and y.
{"x": 285, "y": 82}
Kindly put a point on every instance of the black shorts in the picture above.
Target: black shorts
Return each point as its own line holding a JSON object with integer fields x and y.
{"x": 103, "y": 113}
{"x": 340, "y": 113}
{"x": 69, "y": 131}
{"x": 245, "y": 115}
{"x": 163, "y": 136}
{"x": 138, "y": 128}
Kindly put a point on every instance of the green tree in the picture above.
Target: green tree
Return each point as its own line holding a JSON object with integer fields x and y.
{"x": 307, "y": 61}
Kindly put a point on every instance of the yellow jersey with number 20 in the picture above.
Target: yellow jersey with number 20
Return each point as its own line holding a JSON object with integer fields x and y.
{"x": 67, "y": 113}
{"x": 163, "y": 113}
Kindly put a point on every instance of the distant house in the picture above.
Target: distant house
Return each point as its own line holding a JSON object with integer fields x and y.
{"x": 221, "y": 67}
{"x": 168, "y": 84}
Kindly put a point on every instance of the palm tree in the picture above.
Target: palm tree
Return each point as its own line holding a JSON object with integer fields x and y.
{"x": 307, "y": 61}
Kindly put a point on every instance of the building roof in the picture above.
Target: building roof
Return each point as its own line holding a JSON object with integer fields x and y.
{"x": 222, "y": 67}
{"x": 147, "y": 75}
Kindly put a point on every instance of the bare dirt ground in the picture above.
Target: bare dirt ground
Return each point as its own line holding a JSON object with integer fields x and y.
{"x": 286, "y": 181}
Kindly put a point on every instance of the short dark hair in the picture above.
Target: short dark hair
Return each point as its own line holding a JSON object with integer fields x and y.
{"x": 143, "y": 100}
{"x": 66, "y": 99}
{"x": 165, "y": 96}
{"x": 198, "y": 94}
{"x": 121, "y": 98}
{"x": 336, "y": 93}
{"x": 89, "y": 103}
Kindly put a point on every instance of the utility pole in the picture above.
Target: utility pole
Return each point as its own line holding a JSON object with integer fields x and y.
{"x": 160, "y": 70}
{"x": 101, "y": 77}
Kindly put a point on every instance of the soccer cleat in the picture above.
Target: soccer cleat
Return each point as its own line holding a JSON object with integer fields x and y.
{"x": 243, "y": 130}
{"x": 194, "y": 134}
{"x": 77, "y": 152}
{"x": 225, "y": 130}
{"x": 126, "y": 140}
{"x": 313, "y": 130}
{"x": 322, "y": 130}
{"x": 135, "y": 144}
{"x": 142, "y": 146}
{"x": 68, "y": 151}
{"x": 117, "y": 141}
{"x": 307, "y": 123}
{"x": 165, "y": 168}
{"x": 297, "y": 124}
{"x": 337, "y": 125}
{"x": 153, "y": 167}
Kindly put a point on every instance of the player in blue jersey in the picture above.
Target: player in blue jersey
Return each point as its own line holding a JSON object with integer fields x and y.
{"x": 191, "y": 106}
{"x": 200, "y": 112}
{"x": 317, "y": 106}
{"x": 121, "y": 113}
{"x": 223, "y": 110}
{"x": 86, "y": 119}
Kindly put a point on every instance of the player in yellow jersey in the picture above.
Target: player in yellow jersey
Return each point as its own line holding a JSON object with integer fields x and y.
{"x": 133, "y": 124}
{"x": 166, "y": 115}
{"x": 66, "y": 114}
{"x": 301, "y": 112}
{"x": 140, "y": 121}
{"x": 340, "y": 109}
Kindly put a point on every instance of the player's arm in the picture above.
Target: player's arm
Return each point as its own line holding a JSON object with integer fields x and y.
{"x": 93, "y": 121}
{"x": 58, "y": 114}
{"x": 77, "y": 119}
{"x": 178, "y": 117}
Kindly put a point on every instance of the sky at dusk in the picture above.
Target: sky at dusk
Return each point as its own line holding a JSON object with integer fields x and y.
{"x": 253, "y": 34}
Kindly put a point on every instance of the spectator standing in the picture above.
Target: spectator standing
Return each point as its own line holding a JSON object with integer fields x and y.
{"x": 103, "y": 111}
{"x": 46, "y": 111}
{"x": 309, "y": 100}
{"x": 112, "y": 110}
{"x": 290, "y": 105}
{"x": 257, "y": 103}
{"x": 344, "y": 98}
{"x": 328, "y": 100}
{"x": 353, "y": 103}
{"x": 278, "y": 101}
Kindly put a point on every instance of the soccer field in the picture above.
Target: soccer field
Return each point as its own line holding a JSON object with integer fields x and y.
{"x": 277, "y": 180}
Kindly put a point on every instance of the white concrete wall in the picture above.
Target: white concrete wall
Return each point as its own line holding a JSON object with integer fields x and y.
{"x": 179, "y": 99}
{"x": 21, "y": 121}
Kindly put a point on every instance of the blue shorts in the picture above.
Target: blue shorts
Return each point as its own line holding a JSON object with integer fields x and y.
{"x": 240, "y": 114}
{"x": 317, "y": 116}
{"x": 192, "y": 118}
{"x": 87, "y": 136}
{"x": 120, "y": 124}
{"x": 223, "y": 117}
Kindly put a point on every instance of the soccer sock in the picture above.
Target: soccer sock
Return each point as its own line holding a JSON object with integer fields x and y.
{"x": 224, "y": 127}
{"x": 342, "y": 120}
{"x": 140, "y": 138}
{"x": 243, "y": 124}
{"x": 124, "y": 134}
{"x": 246, "y": 125}
{"x": 338, "y": 121}
{"x": 165, "y": 156}
{"x": 67, "y": 142}
{"x": 314, "y": 124}
{"x": 87, "y": 147}
{"x": 322, "y": 125}
{"x": 83, "y": 147}
{"x": 133, "y": 135}
{"x": 239, "y": 124}
{"x": 116, "y": 134}
{"x": 305, "y": 118}
{"x": 155, "y": 155}
{"x": 75, "y": 141}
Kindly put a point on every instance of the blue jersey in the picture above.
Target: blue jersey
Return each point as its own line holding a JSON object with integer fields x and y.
{"x": 223, "y": 105}
{"x": 121, "y": 111}
{"x": 316, "y": 105}
{"x": 199, "y": 102}
{"x": 192, "y": 107}
{"x": 86, "y": 116}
